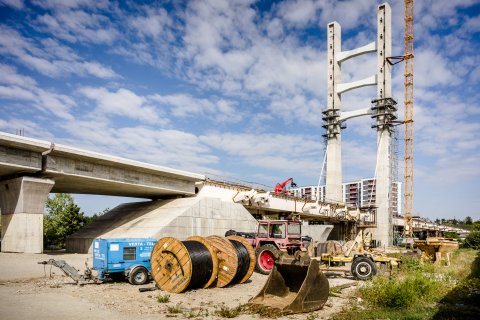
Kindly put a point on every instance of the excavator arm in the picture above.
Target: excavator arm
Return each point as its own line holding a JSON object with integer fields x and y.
{"x": 280, "y": 187}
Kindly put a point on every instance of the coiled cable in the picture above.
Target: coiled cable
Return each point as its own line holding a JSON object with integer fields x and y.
{"x": 202, "y": 266}
{"x": 243, "y": 261}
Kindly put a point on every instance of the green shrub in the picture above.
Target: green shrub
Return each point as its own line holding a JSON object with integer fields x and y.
{"x": 472, "y": 240}
{"x": 163, "y": 298}
{"x": 410, "y": 263}
{"x": 449, "y": 234}
{"x": 397, "y": 293}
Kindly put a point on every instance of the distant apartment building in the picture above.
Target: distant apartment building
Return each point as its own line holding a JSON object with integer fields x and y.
{"x": 359, "y": 193}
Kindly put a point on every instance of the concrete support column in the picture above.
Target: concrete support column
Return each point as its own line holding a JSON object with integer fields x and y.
{"x": 384, "y": 231}
{"x": 22, "y": 201}
{"x": 384, "y": 50}
{"x": 333, "y": 189}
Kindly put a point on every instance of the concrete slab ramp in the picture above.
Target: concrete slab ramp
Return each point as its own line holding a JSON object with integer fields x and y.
{"x": 179, "y": 218}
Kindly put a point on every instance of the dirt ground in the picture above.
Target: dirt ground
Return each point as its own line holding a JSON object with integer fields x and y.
{"x": 30, "y": 290}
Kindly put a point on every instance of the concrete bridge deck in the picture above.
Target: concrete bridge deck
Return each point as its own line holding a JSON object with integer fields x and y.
{"x": 30, "y": 169}
{"x": 81, "y": 171}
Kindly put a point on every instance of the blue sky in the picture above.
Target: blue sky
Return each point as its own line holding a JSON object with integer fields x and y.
{"x": 236, "y": 88}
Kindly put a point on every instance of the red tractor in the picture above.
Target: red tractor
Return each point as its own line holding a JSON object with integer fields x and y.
{"x": 272, "y": 237}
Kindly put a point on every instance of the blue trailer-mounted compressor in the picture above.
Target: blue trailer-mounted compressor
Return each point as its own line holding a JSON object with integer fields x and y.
{"x": 127, "y": 256}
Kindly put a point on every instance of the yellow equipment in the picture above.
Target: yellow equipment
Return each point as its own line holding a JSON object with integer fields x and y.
{"x": 334, "y": 257}
{"x": 296, "y": 284}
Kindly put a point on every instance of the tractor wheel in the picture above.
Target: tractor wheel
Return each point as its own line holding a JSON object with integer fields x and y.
{"x": 363, "y": 268}
{"x": 265, "y": 256}
{"x": 138, "y": 276}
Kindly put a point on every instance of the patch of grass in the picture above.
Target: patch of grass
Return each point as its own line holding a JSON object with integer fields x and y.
{"x": 398, "y": 293}
{"x": 462, "y": 301}
{"x": 334, "y": 292}
{"x": 421, "y": 291}
{"x": 192, "y": 313}
{"x": 264, "y": 312}
{"x": 226, "y": 312}
{"x": 312, "y": 316}
{"x": 337, "y": 290}
{"x": 410, "y": 263}
{"x": 175, "y": 309}
{"x": 163, "y": 298}
{"x": 357, "y": 313}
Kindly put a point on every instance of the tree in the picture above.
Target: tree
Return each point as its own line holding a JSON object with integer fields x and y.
{"x": 63, "y": 218}
{"x": 472, "y": 240}
{"x": 468, "y": 220}
{"x": 97, "y": 215}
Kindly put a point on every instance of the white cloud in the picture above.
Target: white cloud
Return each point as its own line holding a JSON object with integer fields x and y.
{"x": 359, "y": 158}
{"x": 79, "y": 25}
{"x": 17, "y": 4}
{"x": 122, "y": 102}
{"x": 153, "y": 24}
{"x": 432, "y": 69}
{"x": 184, "y": 105}
{"x": 445, "y": 128}
{"x": 168, "y": 147}
{"x": 298, "y": 12}
{"x": 14, "y": 92}
{"x": 153, "y": 109}
{"x": 349, "y": 13}
{"x": 16, "y": 87}
{"x": 29, "y": 128}
{"x": 297, "y": 109}
{"x": 224, "y": 45}
{"x": 40, "y": 56}
{"x": 281, "y": 152}
{"x": 62, "y": 4}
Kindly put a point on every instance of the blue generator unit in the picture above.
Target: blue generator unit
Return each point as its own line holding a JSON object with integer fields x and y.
{"x": 127, "y": 256}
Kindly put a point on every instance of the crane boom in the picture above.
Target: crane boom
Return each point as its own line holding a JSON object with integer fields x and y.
{"x": 408, "y": 137}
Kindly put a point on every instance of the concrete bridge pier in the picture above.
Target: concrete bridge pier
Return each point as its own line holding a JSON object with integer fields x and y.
{"x": 22, "y": 201}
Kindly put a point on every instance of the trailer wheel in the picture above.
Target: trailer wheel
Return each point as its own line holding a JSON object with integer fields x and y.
{"x": 138, "y": 276}
{"x": 363, "y": 268}
{"x": 265, "y": 258}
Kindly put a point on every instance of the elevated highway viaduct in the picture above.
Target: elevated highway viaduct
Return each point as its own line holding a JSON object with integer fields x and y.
{"x": 30, "y": 169}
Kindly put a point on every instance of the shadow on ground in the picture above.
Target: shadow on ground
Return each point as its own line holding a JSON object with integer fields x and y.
{"x": 463, "y": 301}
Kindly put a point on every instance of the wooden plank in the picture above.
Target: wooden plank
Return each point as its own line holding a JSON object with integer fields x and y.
{"x": 227, "y": 260}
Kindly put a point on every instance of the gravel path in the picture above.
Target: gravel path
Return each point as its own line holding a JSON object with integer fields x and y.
{"x": 25, "y": 292}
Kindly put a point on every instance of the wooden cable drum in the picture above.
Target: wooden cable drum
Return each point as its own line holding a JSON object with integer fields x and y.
{"x": 246, "y": 258}
{"x": 227, "y": 260}
{"x": 177, "y": 266}
{"x": 213, "y": 254}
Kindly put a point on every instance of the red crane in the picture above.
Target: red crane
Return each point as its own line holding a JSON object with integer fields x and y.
{"x": 280, "y": 187}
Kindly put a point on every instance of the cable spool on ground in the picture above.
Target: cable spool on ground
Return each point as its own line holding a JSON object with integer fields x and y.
{"x": 246, "y": 259}
{"x": 213, "y": 254}
{"x": 227, "y": 260}
{"x": 177, "y": 266}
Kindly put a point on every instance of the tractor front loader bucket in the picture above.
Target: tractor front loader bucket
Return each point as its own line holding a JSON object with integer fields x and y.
{"x": 296, "y": 284}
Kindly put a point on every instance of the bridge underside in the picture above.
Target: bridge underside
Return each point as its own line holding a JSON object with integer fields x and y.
{"x": 30, "y": 169}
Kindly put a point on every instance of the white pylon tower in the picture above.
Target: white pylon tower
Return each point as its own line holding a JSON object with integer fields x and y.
{"x": 383, "y": 111}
